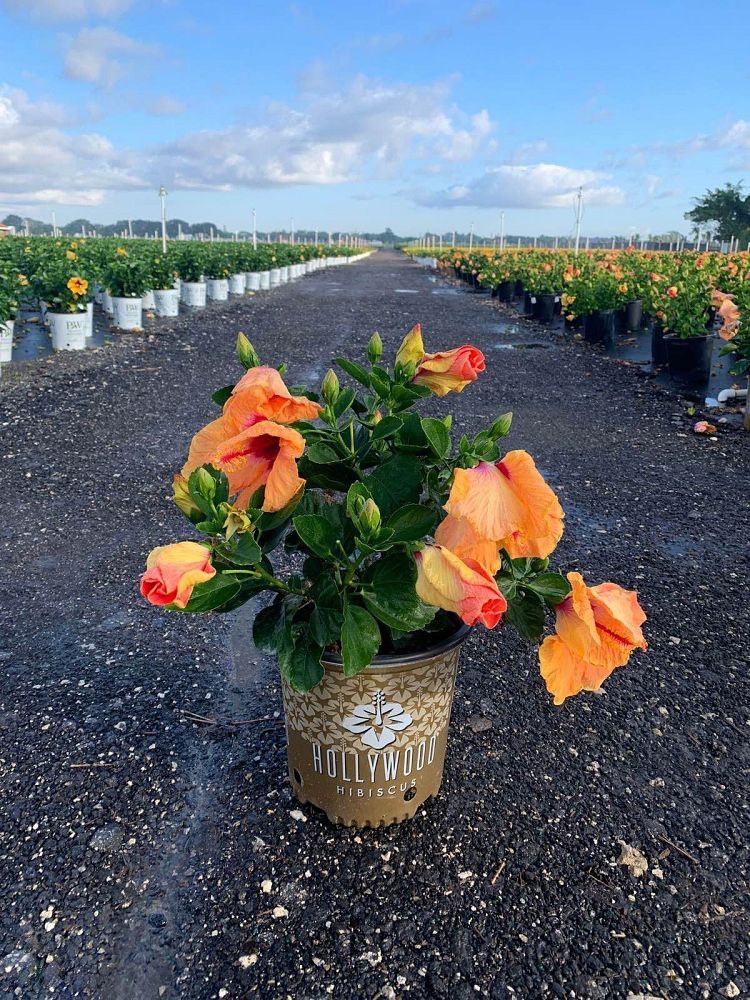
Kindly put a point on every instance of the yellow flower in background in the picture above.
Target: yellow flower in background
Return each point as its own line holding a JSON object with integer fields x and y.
{"x": 23, "y": 280}
{"x": 73, "y": 245}
{"x": 70, "y": 255}
{"x": 78, "y": 286}
{"x": 121, "y": 252}
{"x": 622, "y": 289}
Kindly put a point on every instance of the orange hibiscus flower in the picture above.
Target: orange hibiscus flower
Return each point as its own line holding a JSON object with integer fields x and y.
{"x": 261, "y": 395}
{"x": 597, "y": 630}
{"x": 465, "y": 588}
{"x": 443, "y": 372}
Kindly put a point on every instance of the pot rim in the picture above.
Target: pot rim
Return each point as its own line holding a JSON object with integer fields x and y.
{"x": 393, "y": 659}
{"x": 693, "y": 336}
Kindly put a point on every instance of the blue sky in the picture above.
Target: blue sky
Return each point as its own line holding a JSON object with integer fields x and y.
{"x": 351, "y": 116}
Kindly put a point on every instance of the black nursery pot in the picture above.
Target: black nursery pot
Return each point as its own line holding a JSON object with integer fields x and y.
{"x": 658, "y": 347}
{"x": 544, "y": 309}
{"x": 591, "y": 328}
{"x": 621, "y": 324}
{"x": 689, "y": 358}
{"x": 505, "y": 291}
{"x": 528, "y": 305}
{"x": 608, "y": 324}
{"x": 633, "y": 314}
{"x": 518, "y": 290}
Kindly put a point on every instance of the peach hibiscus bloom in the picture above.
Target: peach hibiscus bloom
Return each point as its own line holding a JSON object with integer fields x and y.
{"x": 264, "y": 454}
{"x": 465, "y": 588}
{"x": 173, "y": 570}
{"x": 510, "y": 503}
{"x": 597, "y": 630}
{"x": 262, "y": 395}
{"x": 456, "y": 534}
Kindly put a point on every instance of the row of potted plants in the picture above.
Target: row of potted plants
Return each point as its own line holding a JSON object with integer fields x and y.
{"x": 677, "y": 295}
{"x": 64, "y": 277}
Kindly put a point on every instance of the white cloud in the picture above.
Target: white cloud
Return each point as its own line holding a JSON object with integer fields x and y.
{"x": 102, "y": 56}
{"x": 70, "y": 10}
{"x": 166, "y": 106}
{"x": 539, "y": 185}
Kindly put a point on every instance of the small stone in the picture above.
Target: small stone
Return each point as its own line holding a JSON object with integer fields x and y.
{"x": 266, "y": 885}
{"x": 223, "y": 992}
{"x": 633, "y": 859}
{"x": 109, "y": 838}
{"x": 479, "y": 724}
{"x": 463, "y": 876}
{"x": 121, "y": 726}
{"x": 298, "y": 815}
{"x": 279, "y": 912}
{"x": 373, "y": 958}
{"x": 247, "y": 961}
{"x": 730, "y": 990}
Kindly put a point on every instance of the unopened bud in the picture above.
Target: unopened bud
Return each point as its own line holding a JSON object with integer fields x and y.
{"x": 374, "y": 348}
{"x": 369, "y": 516}
{"x": 501, "y": 426}
{"x": 246, "y": 352}
{"x": 182, "y": 498}
{"x": 330, "y": 387}
{"x": 204, "y": 483}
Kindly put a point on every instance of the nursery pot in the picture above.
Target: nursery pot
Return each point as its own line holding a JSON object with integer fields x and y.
{"x": 252, "y": 282}
{"x": 633, "y": 315}
{"x": 237, "y": 284}
{"x": 265, "y": 280}
{"x": 68, "y": 330}
{"x": 217, "y": 289}
{"x": 6, "y": 340}
{"x": 166, "y": 302}
{"x": 528, "y": 304}
{"x": 369, "y": 750}
{"x": 689, "y": 358}
{"x": 193, "y": 293}
{"x": 505, "y": 291}
{"x": 107, "y": 303}
{"x": 544, "y": 308}
{"x": 658, "y": 347}
{"x": 275, "y": 274}
{"x": 128, "y": 313}
{"x": 148, "y": 302}
{"x": 591, "y": 329}
{"x": 284, "y": 275}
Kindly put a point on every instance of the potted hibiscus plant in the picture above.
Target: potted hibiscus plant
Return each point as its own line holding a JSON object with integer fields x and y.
{"x": 685, "y": 312}
{"x": 126, "y": 278}
{"x": 66, "y": 290}
{"x": 402, "y": 541}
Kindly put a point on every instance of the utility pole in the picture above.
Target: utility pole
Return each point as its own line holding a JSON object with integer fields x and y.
{"x": 471, "y": 236}
{"x": 579, "y": 216}
{"x": 163, "y": 197}
{"x": 255, "y": 234}
{"x": 502, "y": 230}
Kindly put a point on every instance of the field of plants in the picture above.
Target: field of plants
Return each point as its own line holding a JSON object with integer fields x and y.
{"x": 61, "y": 280}
{"x": 683, "y": 300}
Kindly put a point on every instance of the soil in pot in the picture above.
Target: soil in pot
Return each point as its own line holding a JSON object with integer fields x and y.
{"x": 689, "y": 358}
{"x": 369, "y": 750}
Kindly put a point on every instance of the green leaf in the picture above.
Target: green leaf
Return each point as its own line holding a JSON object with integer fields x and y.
{"x": 412, "y": 437}
{"x": 357, "y": 372}
{"x": 212, "y": 594}
{"x": 356, "y": 491}
{"x": 551, "y": 587}
{"x": 300, "y": 664}
{"x": 381, "y": 383}
{"x": 360, "y": 639}
{"x": 391, "y": 595}
{"x": 404, "y": 396}
{"x": 411, "y": 523}
{"x": 396, "y": 482}
{"x": 438, "y": 435}
{"x": 387, "y": 427}
{"x": 526, "y": 614}
{"x": 323, "y": 454}
{"x": 272, "y": 628}
{"x": 327, "y": 615}
{"x": 222, "y": 395}
{"x": 344, "y": 401}
{"x": 243, "y": 550}
{"x": 316, "y": 533}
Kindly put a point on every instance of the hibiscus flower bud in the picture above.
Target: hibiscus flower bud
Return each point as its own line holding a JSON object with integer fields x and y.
{"x": 369, "y": 517}
{"x": 246, "y": 352}
{"x": 183, "y": 500}
{"x": 330, "y": 387}
{"x": 374, "y": 348}
{"x": 501, "y": 426}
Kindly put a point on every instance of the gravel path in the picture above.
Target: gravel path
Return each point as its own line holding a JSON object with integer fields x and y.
{"x": 143, "y": 855}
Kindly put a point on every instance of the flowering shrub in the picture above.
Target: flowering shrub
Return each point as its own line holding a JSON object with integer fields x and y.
{"x": 400, "y": 535}
{"x": 125, "y": 276}
{"x": 64, "y": 282}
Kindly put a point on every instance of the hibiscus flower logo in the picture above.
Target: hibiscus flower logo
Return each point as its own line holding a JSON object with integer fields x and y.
{"x": 378, "y": 723}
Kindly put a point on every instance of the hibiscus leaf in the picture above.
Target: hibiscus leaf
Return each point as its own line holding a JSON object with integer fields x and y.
{"x": 411, "y": 523}
{"x": 316, "y": 533}
{"x": 396, "y": 482}
{"x": 387, "y": 427}
{"x": 326, "y": 617}
{"x": 212, "y": 594}
{"x": 243, "y": 550}
{"x": 391, "y": 595}
{"x": 222, "y": 395}
{"x": 526, "y": 614}
{"x": 360, "y": 639}
{"x": 438, "y": 435}
{"x": 551, "y": 587}
{"x": 300, "y": 664}
{"x": 357, "y": 372}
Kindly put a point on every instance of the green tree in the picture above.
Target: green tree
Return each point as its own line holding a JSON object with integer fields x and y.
{"x": 726, "y": 210}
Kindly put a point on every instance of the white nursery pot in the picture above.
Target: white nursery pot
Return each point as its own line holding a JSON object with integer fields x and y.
{"x": 275, "y": 273}
{"x": 283, "y": 275}
{"x": 193, "y": 293}
{"x": 89, "y": 320}
{"x": 166, "y": 302}
{"x": 107, "y": 303}
{"x": 265, "y": 280}
{"x": 252, "y": 281}
{"x": 148, "y": 301}
{"x": 128, "y": 314}
{"x": 6, "y": 340}
{"x": 68, "y": 330}
{"x": 217, "y": 289}
{"x": 237, "y": 284}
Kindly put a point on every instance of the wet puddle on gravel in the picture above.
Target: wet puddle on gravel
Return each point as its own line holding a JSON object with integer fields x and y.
{"x": 31, "y": 339}
{"x": 528, "y": 346}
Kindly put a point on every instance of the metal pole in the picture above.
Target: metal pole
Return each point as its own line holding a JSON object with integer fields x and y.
{"x": 291, "y": 232}
{"x": 502, "y": 230}
{"x": 163, "y": 197}
{"x": 453, "y": 238}
{"x": 255, "y": 233}
{"x": 579, "y": 215}
{"x": 471, "y": 236}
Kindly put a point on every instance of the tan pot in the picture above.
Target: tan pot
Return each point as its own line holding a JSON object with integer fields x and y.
{"x": 369, "y": 750}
